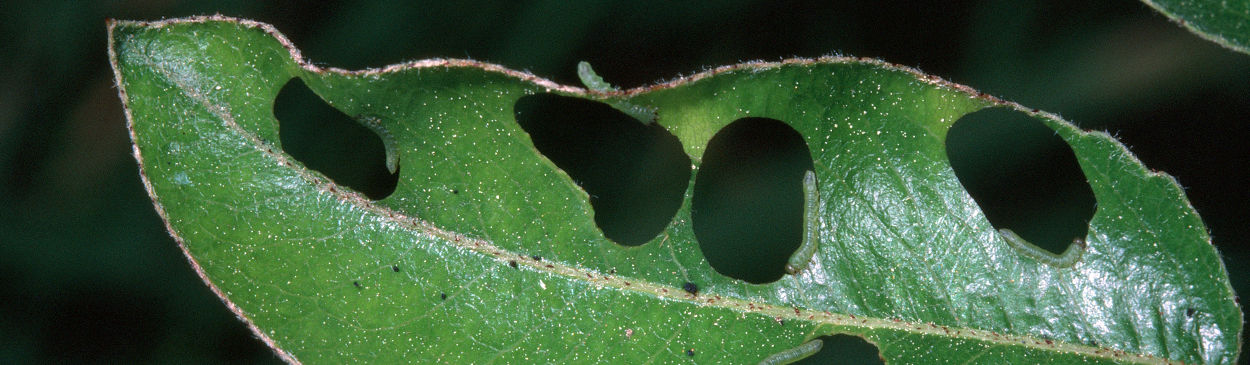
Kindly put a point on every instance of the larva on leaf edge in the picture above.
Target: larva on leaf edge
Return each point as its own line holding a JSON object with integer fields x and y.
{"x": 596, "y": 84}
{"x": 794, "y": 354}
{"x": 811, "y": 226}
{"x": 1067, "y": 259}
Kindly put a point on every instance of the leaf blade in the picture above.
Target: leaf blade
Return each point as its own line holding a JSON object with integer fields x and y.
{"x": 242, "y": 210}
{"x": 1226, "y": 23}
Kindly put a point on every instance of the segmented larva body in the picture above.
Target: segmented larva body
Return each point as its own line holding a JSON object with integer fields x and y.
{"x": 388, "y": 140}
{"x": 811, "y": 226}
{"x": 1067, "y": 259}
{"x": 591, "y": 79}
{"x": 644, "y": 114}
{"x": 794, "y": 354}
{"x": 595, "y": 83}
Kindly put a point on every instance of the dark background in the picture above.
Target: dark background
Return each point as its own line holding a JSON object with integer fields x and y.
{"x": 88, "y": 274}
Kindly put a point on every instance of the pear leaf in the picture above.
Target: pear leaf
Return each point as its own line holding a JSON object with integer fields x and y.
{"x": 487, "y": 252}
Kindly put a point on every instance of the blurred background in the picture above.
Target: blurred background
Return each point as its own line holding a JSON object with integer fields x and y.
{"x": 89, "y": 274}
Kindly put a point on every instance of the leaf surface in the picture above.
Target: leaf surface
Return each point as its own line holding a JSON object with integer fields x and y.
{"x": 1220, "y": 21}
{"x": 487, "y": 252}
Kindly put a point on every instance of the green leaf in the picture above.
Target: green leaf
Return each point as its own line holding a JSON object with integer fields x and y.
{"x": 906, "y": 260}
{"x": 1220, "y": 21}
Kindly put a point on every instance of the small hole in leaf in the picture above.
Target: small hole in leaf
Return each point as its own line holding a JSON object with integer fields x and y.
{"x": 324, "y": 139}
{"x": 1022, "y": 175}
{"x": 636, "y": 174}
{"x": 747, "y": 208}
{"x": 842, "y": 349}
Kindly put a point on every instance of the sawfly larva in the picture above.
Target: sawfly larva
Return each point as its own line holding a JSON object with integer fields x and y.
{"x": 592, "y": 80}
{"x": 1067, "y": 259}
{"x": 794, "y": 354}
{"x": 388, "y": 140}
{"x": 642, "y": 113}
{"x": 596, "y": 84}
{"x": 811, "y": 226}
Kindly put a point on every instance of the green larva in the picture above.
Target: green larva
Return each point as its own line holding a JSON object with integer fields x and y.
{"x": 592, "y": 80}
{"x": 388, "y": 139}
{"x": 641, "y": 113}
{"x": 794, "y": 354}
{"x": 811, "y": 226}
{"x": 596, "y": 84}
{"x": 1067, "y": 259}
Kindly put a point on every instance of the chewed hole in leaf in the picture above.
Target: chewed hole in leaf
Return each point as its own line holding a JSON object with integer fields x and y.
{"x": 844, "y": 349}
{"x": 331, "y": 142}
{"x": 635, "y": 174}
{"x": 1023, "y": 176}
{"x": 747, "y": 208}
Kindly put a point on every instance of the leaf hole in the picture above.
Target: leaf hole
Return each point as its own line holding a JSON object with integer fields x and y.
{"x": 1022, "y": 175}
{"x": 636, "y": 174}
{"x": 331, "y": 142}
{"x": 843, "y": 349}
{"x": 747, "y": 208}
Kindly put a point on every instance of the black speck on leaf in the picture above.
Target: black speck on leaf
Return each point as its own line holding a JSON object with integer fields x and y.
{"x": 395, "y": 268}
{"x": 691, "y": 288}
{"x": 512, "y": 263}
{"x": 443, "y": 296}
{"x": 690, "y": 352}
